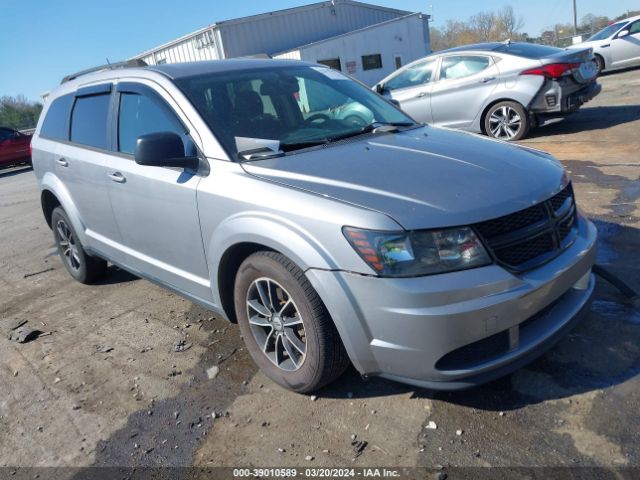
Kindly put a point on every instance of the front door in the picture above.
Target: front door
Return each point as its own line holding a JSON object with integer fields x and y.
{"x": 625, "y": 51}
{"x": 155, "y": 207}
{"x": 411, "y": 87}
{"x": 464, "y": 83}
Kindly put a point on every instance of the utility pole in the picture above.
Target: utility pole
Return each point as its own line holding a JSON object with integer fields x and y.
{"x": 575, "y": 18}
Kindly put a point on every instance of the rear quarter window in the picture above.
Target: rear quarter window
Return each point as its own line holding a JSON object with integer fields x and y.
{"x": 55, "y": 125}
{"x": 89, "y": 121}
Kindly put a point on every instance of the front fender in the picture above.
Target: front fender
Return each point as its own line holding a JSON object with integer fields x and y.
{"x": 54, "y": 185}
{"x": 273, "y": 232}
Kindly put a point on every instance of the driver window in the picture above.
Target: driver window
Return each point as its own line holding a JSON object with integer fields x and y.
{"x": 140, "y": 115}
{"x": 634, "y": 28}
{"x": 456, "y": 67}
{"x": 415, "y": 75}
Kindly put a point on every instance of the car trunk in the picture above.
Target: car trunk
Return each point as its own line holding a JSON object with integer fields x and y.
{"x": 583, "y": 74}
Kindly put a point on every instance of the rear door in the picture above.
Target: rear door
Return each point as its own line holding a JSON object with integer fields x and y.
{"x": 155, "y": 207}
{"x": 463, "y": 85}
{"x": 411, "y": 87}
{"x": 625, "y": 51}
{"x": 80, "y": 163}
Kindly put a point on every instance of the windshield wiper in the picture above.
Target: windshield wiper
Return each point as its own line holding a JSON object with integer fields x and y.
{"x": 374, "y": 127}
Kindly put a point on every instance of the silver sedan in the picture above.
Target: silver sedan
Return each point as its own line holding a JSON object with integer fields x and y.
{"x": 498, "y": 89}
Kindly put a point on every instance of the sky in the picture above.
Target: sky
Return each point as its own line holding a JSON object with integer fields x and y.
{"x": 41, "y": 41}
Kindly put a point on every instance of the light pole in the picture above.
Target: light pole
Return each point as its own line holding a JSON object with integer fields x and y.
{"x": 575, "y": 18}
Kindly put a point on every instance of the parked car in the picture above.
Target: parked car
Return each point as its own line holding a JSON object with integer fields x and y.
{"x": 424, "y": 255}
{"x": 615, "y": 46}
{"x": 498, "y": 89}
{"x": 14, "y": 147}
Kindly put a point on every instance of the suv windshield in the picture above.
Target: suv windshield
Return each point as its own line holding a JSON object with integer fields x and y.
{"x": 607, "y": 31}
{"x": 286, "y": 107}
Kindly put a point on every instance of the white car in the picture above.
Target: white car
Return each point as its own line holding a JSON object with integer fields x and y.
{"x": 616, "y": 46}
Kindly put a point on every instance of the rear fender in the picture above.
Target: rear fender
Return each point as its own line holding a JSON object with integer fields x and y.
{"x": 53, "y": 184}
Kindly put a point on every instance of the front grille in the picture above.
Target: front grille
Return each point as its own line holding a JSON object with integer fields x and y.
{"x": 526, "y": 239}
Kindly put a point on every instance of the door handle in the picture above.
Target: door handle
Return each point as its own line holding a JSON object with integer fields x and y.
{"x": 62, "y": 162}
{"x": 487, "y": 79}
{"x": 117, "y": 177}
{"x": 421, "y": 94}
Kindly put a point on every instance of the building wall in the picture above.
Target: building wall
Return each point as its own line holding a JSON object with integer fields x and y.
{"x": 407, "y": 38}
{"x": 202, "y": 45}
{"x": 283, "y": 30}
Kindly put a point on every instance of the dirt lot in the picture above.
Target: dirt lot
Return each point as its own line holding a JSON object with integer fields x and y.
{"x": 107, "y": 389}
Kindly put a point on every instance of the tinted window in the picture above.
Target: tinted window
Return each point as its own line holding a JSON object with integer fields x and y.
{"x": 462, "y": 66}
{"x": 55, "y": 123}
{"x": 635, "y": 28}
{"x": 372, "y": 62}
{"x": 5, "y": 134}
{"x": 140, "y": 115}
{"x": 89, "y": 121}
{"x": 415, "y": 75}
{"x": 528, "y": 50}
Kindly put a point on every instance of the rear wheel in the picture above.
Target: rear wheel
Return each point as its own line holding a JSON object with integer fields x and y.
{"x": 285, "y": 325}
{"x": 79, "y": 264}
{"x": 507, "y": 121}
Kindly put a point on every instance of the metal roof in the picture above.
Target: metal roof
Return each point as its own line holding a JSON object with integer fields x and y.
{"x": 353, "y": 32}
{"x": 259, "y": 16}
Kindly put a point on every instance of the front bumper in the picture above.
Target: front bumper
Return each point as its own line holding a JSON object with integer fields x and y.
{"x": 563, "y": 97}
{"x": 463, "y": 328}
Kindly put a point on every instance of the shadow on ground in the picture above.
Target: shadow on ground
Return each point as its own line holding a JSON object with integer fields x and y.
{"x": 589, "y": 119}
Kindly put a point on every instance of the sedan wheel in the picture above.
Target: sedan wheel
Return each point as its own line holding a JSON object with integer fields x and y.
{"x": 286, "y": 327}
{"x": 507, "y": 121}
{"x": 276, "y": 324}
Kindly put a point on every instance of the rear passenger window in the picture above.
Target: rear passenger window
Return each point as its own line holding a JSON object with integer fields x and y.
{"x": 55, "y": 124}
{"x": 463, "y": 66}
{"x": 140, "y": 115}
{"x": 89, "y": 121}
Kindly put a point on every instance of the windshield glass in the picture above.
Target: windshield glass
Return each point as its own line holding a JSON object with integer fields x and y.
{"x": 285, "y": 107}
{"x": 607, "y": 31}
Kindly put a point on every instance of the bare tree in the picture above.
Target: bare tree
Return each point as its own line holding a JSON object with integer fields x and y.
{"x": 509, "y": 24}
{"x": 484, "y": 24}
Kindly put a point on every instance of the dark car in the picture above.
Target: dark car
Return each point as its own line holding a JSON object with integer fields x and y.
{"x": 14, "y": 147}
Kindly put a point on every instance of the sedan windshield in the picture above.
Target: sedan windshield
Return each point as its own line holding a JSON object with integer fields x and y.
{"x": 286, "y": 108}
{"x": 607, "y": 31}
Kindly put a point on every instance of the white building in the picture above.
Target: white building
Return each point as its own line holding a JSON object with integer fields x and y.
{"x": 366, "y": 41}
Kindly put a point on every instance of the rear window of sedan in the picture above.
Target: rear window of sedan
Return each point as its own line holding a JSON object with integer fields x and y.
{"x": 527, "y": 50}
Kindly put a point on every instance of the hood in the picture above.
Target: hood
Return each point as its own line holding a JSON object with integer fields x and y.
{"x": 422, "y": 178}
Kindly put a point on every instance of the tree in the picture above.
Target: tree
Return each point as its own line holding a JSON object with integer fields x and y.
{"x": 18, "y": 112}
{"x": 509, "y": 24}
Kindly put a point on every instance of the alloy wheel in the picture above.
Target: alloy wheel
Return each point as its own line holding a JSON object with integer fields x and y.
{"x": 505, "y": 123}
{"x": 276, "y": 324}
{"x": 68, "y": 246}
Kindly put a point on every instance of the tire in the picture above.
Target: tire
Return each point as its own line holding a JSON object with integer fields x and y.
{"x": 514, "y": 115}
{"x": 81, "y": 266}
{"x": 599, "y": 64}
{"x": 303, "y": 327}
{"x": 357, "y": 120}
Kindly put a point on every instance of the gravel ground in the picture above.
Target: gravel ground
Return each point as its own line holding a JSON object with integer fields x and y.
{"x": 106, "y": 387}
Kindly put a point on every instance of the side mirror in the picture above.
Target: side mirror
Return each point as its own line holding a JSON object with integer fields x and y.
{"x": 380, "y": 88}
{"x": 163, "y": 149}
{"x": 623, "y": 33}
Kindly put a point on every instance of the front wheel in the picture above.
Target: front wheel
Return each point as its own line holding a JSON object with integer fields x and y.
{"x": 285, "y": 325}
{"x": 507, "y": 121}
{"x": 599, "y": 61}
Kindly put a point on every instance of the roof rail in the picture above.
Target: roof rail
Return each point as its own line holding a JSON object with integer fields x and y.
{"x": 108, "y": 66}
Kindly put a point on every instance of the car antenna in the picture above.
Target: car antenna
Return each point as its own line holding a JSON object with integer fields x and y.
{"x": 108, "y": 62}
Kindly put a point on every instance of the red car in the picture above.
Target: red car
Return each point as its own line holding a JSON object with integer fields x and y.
{"x": 14, "y": 147}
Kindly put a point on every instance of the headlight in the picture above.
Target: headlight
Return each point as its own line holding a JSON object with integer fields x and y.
{"x": 424, "y": 252}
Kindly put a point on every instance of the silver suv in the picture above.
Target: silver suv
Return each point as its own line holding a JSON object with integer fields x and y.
{"x": 428, "y": 256}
